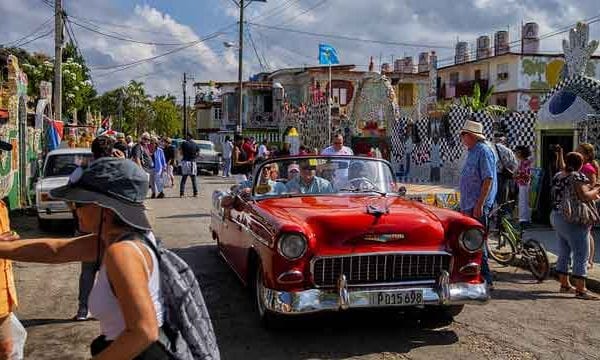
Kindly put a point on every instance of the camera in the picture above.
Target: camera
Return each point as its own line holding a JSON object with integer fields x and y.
{"x": 554, "y": 147}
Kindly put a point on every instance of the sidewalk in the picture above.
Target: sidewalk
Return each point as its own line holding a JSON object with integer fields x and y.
{"x": 547, "y": 237}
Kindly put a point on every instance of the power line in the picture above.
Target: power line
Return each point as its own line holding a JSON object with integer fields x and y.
{"x": 275, "y": 11}
{"x": 296, "y": 17}
{"x": 49, "y": 3}
{"x": 46, "y": 34}
{"x": 125, "y": 66}
{"x": 94, "y": 23}
{"x": 349, "y": 38}
{"x": 561, "y": 30}
{"x": 71, "y": 33}
{"x": 260, "y": 62}
{"x": 38, "y": 29}
{"x": 129, "y": 39}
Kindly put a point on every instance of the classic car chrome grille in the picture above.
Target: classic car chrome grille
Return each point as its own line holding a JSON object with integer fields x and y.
{"x": 379, "y": 268}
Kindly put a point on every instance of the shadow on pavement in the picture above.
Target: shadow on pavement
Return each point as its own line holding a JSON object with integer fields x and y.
{"x": 333, "y": 335}
{"x": 184, "y": 216}
{"x": 39, "y": 322}
{"x": 505, "y": 294}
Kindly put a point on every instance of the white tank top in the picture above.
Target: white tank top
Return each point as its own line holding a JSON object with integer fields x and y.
{"x": 104, "y": 306}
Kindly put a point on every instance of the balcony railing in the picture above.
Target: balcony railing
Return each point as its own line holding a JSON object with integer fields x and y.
{"x": 261, "y": 120}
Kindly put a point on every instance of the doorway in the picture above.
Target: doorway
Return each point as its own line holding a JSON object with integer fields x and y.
{"x": 549, "y": 140}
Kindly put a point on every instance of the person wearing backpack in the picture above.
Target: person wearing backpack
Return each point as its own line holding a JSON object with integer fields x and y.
{"x": 134, "y": 295}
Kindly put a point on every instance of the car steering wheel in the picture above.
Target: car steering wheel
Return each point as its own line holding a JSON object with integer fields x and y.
{"x": 362, "y": 183}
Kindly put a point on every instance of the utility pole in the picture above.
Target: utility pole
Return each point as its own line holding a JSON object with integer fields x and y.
{"x": 240, "y": 70}
{"x": 185, "y": 130}
{"x": 58, "y": 43}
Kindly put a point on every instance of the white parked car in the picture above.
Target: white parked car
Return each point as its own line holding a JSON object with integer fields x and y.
{"x": 59, "y": 165}
{"x": 208, "y": 158}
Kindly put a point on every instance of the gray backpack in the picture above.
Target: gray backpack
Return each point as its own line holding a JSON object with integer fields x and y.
{"x": 187, "y": 323}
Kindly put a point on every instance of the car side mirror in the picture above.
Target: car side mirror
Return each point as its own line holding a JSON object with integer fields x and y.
{"x": 402, "y": 191}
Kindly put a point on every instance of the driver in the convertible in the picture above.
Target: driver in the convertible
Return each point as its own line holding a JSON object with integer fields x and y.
{"x": 360, "y": 174}
{"x": 308, "y": 182}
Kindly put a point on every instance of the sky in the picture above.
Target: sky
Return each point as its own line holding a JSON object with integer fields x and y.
{"x": 156, "y": 41}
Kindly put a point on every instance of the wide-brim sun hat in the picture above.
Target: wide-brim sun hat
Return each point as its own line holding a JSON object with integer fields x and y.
{"x": 116, "y": 184}
{"x": 473, "y": 127}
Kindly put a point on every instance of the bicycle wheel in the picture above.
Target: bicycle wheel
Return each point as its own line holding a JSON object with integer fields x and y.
{"x": 537, "y": 259}
{"x": 500, "y": 248}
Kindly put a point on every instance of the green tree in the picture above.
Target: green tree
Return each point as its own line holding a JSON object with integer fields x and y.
{"x": 78, "y": 90}
{"x": 167, "y": 118}
{"x": 481, "y": 102}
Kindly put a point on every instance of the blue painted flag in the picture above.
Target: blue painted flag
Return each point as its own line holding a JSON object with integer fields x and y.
{"x": 328, "y": 55}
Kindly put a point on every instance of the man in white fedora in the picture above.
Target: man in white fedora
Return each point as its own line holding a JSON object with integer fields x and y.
{"x": 478, "y": 181}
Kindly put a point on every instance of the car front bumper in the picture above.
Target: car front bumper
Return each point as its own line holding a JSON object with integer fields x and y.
{"x": 318, "y": 300}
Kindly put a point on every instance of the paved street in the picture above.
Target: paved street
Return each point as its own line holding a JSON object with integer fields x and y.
{"x": 525, "y": 320}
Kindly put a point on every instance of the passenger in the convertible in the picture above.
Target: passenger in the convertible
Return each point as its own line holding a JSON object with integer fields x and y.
{"x": 308, "y": 182}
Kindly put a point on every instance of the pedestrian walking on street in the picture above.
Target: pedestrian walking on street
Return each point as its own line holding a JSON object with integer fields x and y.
{"x": 227, "y": 153}
{"x": 160, "y": 167}
{"x": 170, "y": 152}
{"x": 126, "y": 297}
{"x": 189, "y": 168}
{"x": 590, "y": 170}
{"x": 478, "y": 182}
{"x": 10, "y": 345}
{"x": 142, "y": 156}
{"x": 523, "y": 180}
{"x": 571, "y": 217}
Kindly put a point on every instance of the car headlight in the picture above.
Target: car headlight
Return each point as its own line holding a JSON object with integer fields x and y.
{"x": 471, "y": 240}
{"x": 292, "y": 246}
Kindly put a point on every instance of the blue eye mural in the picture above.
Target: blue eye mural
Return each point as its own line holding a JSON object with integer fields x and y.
{"x": 577, "y": 95}
{"x": 570, "y": 102}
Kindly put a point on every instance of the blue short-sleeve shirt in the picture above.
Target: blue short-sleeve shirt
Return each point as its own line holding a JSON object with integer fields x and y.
{"x": 480, "y": 165}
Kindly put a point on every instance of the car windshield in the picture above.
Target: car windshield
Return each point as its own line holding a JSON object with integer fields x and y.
{"x": 322, "y": 175}
{"x": 65, "y": 164}
{"x": 205, "y": 146}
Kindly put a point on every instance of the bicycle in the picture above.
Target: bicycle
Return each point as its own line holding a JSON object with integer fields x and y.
{"x": 507, "y": 246}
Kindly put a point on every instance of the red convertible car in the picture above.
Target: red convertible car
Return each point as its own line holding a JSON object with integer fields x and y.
{"x": 313, "y": 234}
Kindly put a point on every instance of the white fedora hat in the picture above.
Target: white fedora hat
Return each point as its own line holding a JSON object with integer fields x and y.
{"x": 473, "y": 127}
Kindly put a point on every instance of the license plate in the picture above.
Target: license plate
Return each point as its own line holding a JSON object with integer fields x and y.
{"x": 397, "y": 298}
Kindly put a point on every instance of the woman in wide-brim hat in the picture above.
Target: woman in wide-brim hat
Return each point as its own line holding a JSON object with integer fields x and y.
{"x": 107, "y": 201}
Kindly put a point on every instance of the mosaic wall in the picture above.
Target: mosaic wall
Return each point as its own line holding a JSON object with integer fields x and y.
{"x": 430, "y": 151}
{"x": 311, "y": 123}
{"x": 375, "y": 106}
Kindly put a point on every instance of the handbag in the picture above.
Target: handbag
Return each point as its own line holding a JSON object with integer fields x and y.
{"x": 575, "y": 210}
